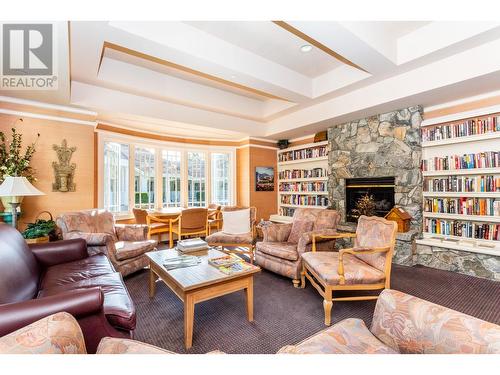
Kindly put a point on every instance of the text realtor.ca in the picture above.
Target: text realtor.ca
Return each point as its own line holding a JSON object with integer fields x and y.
{"x": 28, "y": 61}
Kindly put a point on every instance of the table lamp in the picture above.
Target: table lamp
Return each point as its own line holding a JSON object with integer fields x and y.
{"x": 17, "y": 187}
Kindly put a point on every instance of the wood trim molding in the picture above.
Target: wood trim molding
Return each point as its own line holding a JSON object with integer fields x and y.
{"x": 44, "y": 111}
{"x": 184, "y": 69}
{"x": 317, "y": 44}
{"x": 463, "y": 107}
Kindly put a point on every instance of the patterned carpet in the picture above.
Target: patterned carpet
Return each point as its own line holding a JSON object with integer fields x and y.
{"x": 285, "y": 315}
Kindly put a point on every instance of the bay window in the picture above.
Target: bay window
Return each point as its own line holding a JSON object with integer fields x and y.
{"x": 116, "y": 174}
{"x": 171, "y": 189}
{"x": 221, "y": 193}
{"x": 196, "y": 179}
{"x": 144, "y": 178}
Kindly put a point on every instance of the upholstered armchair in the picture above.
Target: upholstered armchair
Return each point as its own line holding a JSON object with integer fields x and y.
{"x": 124, "y": 244}
{"x": 283, "y": 244}
{"x": 366, "y": 266}
{"x": 241, "y": 243}
{"x": 191, "y": 222}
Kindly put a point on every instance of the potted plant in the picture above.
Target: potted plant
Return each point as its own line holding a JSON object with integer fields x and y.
{"x": 13, "y": 162}
{"x": 41, "y": 230}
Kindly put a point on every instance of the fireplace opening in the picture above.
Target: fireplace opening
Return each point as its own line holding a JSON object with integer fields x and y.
{"x": 380, "y": 188}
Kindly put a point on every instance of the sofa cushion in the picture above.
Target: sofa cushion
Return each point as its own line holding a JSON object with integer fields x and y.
{"x": 111, "y": 345}
{"x": 118, "y": 306}
{"x": 129, "y": 249}
{"x": 283, "y": 250}
{"x": 350, "y": 336}
{"x": 299, "y": 226}
{"x": 325, "y": 264}
{"x": 225, "y": 238}
{"x": 67, "y": 273}
{"x": 236, "y": 222}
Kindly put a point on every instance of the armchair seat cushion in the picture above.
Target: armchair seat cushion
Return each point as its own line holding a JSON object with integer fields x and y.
{"x": 157, "y": 226}
{"x": 350, "y": 336}
{"x": 132, "y": 249}
{"x": 325, "y": 264}
{"x": 283, "y": 250}
{"x": 221, "y": 237}
{"x": 109, "y": 345}
{"x": 118, "y": 306}
{"x": 67, "y": 273}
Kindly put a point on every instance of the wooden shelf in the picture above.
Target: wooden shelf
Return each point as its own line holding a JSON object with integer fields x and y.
{"x": 301, "y": 205}
{"x": 301, "y": 147}
{"x": 470, "y": 138}
{"x": 455, "y": 246}
{"x": 299, "y": 161}
{"x": 304, "y": 179}
{"x": 303, "y": 192}
{"x": 457, "y": 172}
{"x": 281, "y": 218}
{"x": 482, "y": 218}
{"x": 461, "y": 194}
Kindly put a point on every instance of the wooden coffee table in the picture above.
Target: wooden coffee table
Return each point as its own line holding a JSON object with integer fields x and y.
{"x": 198, "y": 283}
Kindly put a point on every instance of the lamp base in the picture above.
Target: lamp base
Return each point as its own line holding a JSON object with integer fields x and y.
{"x": 14, "y": 206}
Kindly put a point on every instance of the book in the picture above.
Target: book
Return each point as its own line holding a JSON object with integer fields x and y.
{"x": 229, "y": 264}
{"x": 181, "y": 262}
{"x": 192, "y": 245}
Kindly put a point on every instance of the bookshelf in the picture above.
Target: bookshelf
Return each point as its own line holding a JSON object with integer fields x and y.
{"x": 302, "y": 179}
{"x": 461, "y": 187}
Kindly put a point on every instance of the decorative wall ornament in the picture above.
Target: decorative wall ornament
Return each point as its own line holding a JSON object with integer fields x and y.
{"x": 64, "y": 171}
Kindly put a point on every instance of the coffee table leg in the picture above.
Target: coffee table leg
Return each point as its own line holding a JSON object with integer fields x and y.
{"x": 249, "y": 297}
{"x": 188, "y": 321}
{"x": 152, "y": 282}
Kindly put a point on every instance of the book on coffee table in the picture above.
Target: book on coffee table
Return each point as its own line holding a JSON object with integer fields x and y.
{"x": 191, "y": 245}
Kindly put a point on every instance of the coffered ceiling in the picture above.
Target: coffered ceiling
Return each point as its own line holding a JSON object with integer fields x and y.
{"x": 232, "y": 79}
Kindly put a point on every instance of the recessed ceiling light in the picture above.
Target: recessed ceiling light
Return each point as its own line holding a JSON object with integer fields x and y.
{"x": 306, "y": 48}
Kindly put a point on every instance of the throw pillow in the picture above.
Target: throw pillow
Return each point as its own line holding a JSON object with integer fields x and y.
{"x": 299, "y": 227}
{"x": 236, "y": 222}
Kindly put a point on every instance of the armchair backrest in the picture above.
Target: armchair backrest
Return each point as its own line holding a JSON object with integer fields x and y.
{"x": 412, "y": 325}
{"x": 193, "y": 218}
{"x": 312, "y": 219}
{"x": 326, "y": 219}
{"x": 87, "y": 221}
{"x": 253, "y": 212}
{"x": 140, "y": 215}
{"x": 19, "y": 270}
{"x": 376, "y": 232}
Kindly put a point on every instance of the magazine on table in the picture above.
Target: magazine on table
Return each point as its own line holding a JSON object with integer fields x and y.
{"x": 229, "y": 264}
{"x": 181, "y": 261}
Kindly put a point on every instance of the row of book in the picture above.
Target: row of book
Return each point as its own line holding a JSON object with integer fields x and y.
{"x": 289, "y": 174}
{"x": 318, "y": 186}
{"x": 463, "y": 206}
{"x": 488, "y": 159}
{"x": 287, "y": 211}
{"x": 464, "y": 229}
{"x": 463, "y": 129}
{"x": 458, "y": 184}
{"x": 305, "y": 153}
{"x": 305, "y": 200}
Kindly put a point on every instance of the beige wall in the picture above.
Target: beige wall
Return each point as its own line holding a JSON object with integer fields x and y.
{"x": 53, "y": 132}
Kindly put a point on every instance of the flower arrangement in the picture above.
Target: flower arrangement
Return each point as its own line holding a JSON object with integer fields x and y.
{"x": 365, "y": 206}
{"x": 12, "y": 161}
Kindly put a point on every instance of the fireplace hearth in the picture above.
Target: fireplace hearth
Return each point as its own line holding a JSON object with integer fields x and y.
{"x": 381, "y": 188}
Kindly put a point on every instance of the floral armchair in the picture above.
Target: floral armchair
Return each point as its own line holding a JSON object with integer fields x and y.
{"x": 283, "y": 244}
{"x": 124, "y": 244}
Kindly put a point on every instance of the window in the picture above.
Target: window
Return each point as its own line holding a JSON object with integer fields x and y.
{"x": 196, "y": 179}
{"x": 116, "y": 174}
{"x": 171, "y": 196}
{"x": 221, "y": 193}
{"x": 144, "y": 178}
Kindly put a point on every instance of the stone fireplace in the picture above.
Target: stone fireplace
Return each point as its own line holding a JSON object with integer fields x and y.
{"x": 381, "y": 189}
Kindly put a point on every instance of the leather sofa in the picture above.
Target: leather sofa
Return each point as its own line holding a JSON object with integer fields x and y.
{"x": 43, "y": 279}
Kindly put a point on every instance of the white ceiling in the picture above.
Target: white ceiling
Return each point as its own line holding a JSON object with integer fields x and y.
{"x": 229, "y": 79}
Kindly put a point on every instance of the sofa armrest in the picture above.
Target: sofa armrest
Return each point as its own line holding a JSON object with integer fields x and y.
{"x": 277, "y": 232}
{"x": 92, "y": 239}
{"x": 111, "y": 345}
{"x": 131, "y": 232}
{"x": 79, "y": 303}
{"x": 59, "y": 333}
{"x": 52, "y": 253}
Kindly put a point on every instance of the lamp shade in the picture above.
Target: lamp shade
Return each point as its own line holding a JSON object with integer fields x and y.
{"x": 18, "y": 187}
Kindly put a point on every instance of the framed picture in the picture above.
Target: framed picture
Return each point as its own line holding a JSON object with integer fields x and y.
{"x": 264, "y": 179}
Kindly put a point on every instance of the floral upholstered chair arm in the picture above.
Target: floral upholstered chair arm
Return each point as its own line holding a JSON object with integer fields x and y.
{"x": 314, "y": 236}
{"x": 92, "y": 239}
{"x": 329, "y": 234}
{"x": 56, "y": 334}
{"x": 357, "y": 251}
{"x": 131, "y": 232}
{"x": 276, "y": 232}
{"x": 110, "y": 345}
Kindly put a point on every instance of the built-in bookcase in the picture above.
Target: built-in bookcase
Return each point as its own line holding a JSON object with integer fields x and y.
{"x": 302, "y": 179}
{"x": 461, "y": 186}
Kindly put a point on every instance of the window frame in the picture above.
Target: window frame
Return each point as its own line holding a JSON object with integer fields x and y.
{"x": 159, "y": 146}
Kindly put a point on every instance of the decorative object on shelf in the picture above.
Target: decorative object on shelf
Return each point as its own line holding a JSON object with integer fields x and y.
{"x": 64, "y": 171}
{"x": 283, "y": 143}
{"x": 401, "y": 217}
{"x": 41, "y": 230}
{"x": 13, "y": 163}
{"x": 365, "y": 206}
{"x": 17, "y": 187}
{"x": 321, "y": 136}
{"x": 264, "y": 179}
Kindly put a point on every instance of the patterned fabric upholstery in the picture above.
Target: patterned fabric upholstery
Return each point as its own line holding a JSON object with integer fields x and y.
{"x": 350, "y": 336}
{"x": 375, "y": 232}
{"x": 284, "y": 243}
{"x": 411, "y": 325}
{"x": 221, "y": 237}
{"x": 109, "y": 345}
{"x": 55, "y": 334}
{"x": 325, "y": 265}
{"x": 124, "y": 245}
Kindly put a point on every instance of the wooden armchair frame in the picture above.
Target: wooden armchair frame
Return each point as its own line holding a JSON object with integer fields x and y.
{"x": 326, "y": 290}
{"x": 150, "y": 219}
{"x": 178, "y": 230}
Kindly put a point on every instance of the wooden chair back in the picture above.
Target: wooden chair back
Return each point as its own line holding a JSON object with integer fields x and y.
{"x": 193, "y": 218}
{"x": 140, "y": 215}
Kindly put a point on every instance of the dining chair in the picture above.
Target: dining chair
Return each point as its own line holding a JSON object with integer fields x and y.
{"x": 191, "y": 222}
